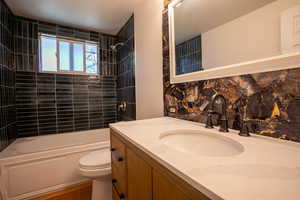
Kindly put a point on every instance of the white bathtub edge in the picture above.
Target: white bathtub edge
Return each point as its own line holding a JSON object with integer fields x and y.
{"x": 53, "y": 153}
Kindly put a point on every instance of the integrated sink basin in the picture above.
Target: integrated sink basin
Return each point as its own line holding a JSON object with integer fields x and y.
{"x": 201, "y": 143}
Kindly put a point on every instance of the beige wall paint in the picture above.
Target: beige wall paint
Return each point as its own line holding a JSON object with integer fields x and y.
{"x": 148, "y": 50}
{"x": 253, "y": 36}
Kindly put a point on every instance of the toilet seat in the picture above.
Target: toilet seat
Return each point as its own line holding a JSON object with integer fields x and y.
{"x": 96, "y": 166}
{"x": 96, "y": 161}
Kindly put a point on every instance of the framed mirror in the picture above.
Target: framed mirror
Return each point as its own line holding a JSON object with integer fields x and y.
{"x": 221, "y": 38}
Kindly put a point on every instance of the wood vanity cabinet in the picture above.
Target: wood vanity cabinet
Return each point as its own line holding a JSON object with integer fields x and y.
{"x": 137, "y": 176}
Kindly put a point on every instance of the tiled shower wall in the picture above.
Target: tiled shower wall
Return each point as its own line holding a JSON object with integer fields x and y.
{"x": 7, "y": 79}
{"x": 189, "y": 56}
{"x": 272, "y": 99}
{"x": 55, "y": 103}
{"x": 126, "y": 72}
{"x": 34, "y": 103}
{"x": 26, "y": 44}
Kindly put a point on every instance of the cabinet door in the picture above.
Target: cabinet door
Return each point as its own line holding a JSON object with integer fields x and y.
{"x": 119, "y": 176}
{"x": 164, "y": 189}
{"x": 139, "y": 176}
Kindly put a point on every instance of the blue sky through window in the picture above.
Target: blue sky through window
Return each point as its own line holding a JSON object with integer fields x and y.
{"x": 78, "y": 53}
{"x": 64, "y": 56}
{"x": 48, "y": 57}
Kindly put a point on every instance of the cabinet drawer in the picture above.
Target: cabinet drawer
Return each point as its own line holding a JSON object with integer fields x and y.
{"x": 119, "y": 179}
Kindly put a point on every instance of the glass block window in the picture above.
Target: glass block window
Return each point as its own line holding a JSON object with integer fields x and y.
{"x": 68, "y": 56}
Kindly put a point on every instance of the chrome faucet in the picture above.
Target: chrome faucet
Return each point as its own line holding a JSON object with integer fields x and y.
{"x": 218, "y": 107}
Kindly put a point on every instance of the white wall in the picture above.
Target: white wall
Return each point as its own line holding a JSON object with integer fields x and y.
{"x": 250, "y": 37}
{"x": 148, "y": 52}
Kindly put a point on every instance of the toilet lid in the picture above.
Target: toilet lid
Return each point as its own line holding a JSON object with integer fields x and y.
{"x": 96, "y": 160}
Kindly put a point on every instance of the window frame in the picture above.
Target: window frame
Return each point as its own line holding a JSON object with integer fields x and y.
{"x": 72, "y": 41}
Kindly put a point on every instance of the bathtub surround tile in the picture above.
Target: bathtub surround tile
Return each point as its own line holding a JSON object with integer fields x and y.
{"x": 64, "y": 103}
{"x": 272, "y": 99}
{"x": 26, "y": 44}
{"x": 95, "y": 101}
{"x": 126, "y": 71}
{"x": 58, "y": 103}
{"x": 34, "y": 103}
{"x": 26, "y": 104}
{"x": 109, "y": 99}
{"x": 81, "y": 103}
{"x": 7, "y": 78}
{"x": 46, "y": 93}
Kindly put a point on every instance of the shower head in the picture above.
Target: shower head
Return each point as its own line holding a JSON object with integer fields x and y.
{"x": 115, "y": 47}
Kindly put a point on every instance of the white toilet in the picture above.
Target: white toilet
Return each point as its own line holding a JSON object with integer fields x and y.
{"x": 96, "y": 165}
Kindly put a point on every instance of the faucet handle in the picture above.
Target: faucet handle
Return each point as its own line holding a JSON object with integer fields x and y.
{"x": 223, "y": 124}
{"x": 209, "y": 121}
{"x": 244, "y": 131}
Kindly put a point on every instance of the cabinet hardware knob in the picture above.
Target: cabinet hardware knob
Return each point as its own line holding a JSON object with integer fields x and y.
{"x": 112, "y": 149}
{"x": 122, "y": 196}
{"x": 120, "y": 159}
{"x": 114, "y": 180}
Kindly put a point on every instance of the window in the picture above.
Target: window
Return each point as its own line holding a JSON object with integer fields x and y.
{"x": 68, "y": 56}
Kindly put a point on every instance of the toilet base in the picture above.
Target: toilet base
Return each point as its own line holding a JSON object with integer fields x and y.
{"x": 102, "y": 188}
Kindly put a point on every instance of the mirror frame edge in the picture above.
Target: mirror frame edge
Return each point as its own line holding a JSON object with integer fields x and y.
{"x": 276, "y": 63}
{"x": 171, "y": 8}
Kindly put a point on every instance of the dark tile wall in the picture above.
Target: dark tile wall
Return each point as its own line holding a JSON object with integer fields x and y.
{"x": 189, "y": 56}
{"x": 57, "y": 103}
{"x": 34, "y": 103}
{"x": 126, "y": 72}
{"x": 26, "y": 44}
{"x": 272, "y": 99}
{"x": 7, "y": 78}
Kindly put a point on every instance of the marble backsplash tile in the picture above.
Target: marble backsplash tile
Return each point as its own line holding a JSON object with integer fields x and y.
{"x": 272, "y": 99}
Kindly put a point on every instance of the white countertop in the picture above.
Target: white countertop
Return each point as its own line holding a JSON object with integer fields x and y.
{"x": 267, "y": 169}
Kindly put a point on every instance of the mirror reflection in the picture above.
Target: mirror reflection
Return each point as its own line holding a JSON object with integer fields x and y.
{"x": 216, "y": 33}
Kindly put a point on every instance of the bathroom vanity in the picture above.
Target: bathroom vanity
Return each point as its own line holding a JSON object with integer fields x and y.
{"x": 168, "y": 158}
{"x": 137, "y": 175}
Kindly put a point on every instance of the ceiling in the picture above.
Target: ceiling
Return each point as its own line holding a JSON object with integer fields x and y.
{"x": 106, "y": 16}
{"x": 194, "y": 17}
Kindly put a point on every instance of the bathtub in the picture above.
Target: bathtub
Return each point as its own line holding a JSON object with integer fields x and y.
{"x": 33, "y": 166}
